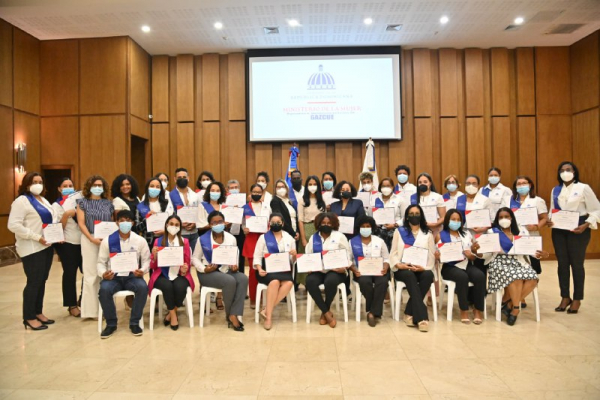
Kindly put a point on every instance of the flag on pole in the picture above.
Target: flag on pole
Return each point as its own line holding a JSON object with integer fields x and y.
{"x": 292, "y": 166}
{"x": 369, "y": 164}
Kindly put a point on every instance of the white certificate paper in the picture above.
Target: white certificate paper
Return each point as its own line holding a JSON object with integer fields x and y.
{"x": 236, "y": 200}
{"x": 71, "y": 201}
{"x": 370, "y": 266}
{"x": 225, "y": 255}
{"x": 488, "y": 243}
{"x": 347, "y": 225}
{"x": 257, "y": 224}
{"x": 156, "y": 222}
{"x": 170, "y": 256}
{"x": 328, "y": 198}
{"x": 53, "y": 233}
{"x": 431, "y": 214}
{"x": 478, "y": 219}
{"x": 188, "y": 214}
{"x": 415, "y": 255}
{"x": 335, "y": 259}
{"x": 233, "y": 215}
{"x": 384, "y": 216}
{"x": 567, "y": 220}
{"x": 526, "y": 216}
{"x": 451, "y": 252}
{"x": 103, "y": 229}
{"x": 277, "y": 262}
{"x": 126, "y": 261}
{"x": 527, "y": 245}
{"x": 365, "y": 197}
{"x": 310, "y": 262}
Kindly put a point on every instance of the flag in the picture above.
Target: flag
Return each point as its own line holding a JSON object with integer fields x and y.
{"x": 369, "y": 164}
{"x": 292, "y": 166}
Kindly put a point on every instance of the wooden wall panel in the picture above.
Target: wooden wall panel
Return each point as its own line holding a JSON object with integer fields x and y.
{"x": 263, "y": 160}
{"x": 7, "y": 238}
{"x": 500, "y": 68}
{"x": 210, "y": 87}
{"x": 586, "y": 147}
{"x": 140, "y": 128}
{"x": 236, "y": 156}
{"x": 527, "y": 154}
{"x": 503, "y": 147}
{"x": 476, "y": 147}
{"x": 160, "y": 150}
{"x": 6, "y": 64}
{"x": 554, "y": 145}
{"x": 7, "y": 166}
{"x": 139, "y": 95}
{"x": 103, "y": 69}
{"x": 237, "y": 86}
{"x": 160, "y": 88}
{"x": 185, "y": 88}
{"x": 185, "y": 149}
{"x": 26, "y": 70}
{"x": 60, "y": 141}
{"x": 552, "y": 80}
{"x": 59, "y": 77}
{"x": 422, "y": 82}
{"x": 450, "y": 145}
{"x": 585, "y": 73}
{"x": 424, "y": 144}
{"x": 474, "y": 82}
{"x": 211, "y": 156}
{"x": 448, "y": 83}
{"x": 525, "y": 81}
{"x": 343, "y": 162}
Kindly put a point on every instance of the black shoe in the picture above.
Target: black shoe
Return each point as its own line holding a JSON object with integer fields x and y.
{"x": 562, "y": 309}
{"x": 165, "y": 322}
{"x": 108, "y": 332}
{"x": 238, "y": 328}
{"x": 240, "y": 322}
{"x": 26, "y": 324}
{"x": 571, "y": 311}
{"x": 371, "y": 320}
{"x": 49, "y": 322}
{"x": 174, "y": 327}
{"x": 136, "y": 330}
{"x": 511, "y": 319}
{"x": 523, "y": 305}
{"x": 505, "y": 309}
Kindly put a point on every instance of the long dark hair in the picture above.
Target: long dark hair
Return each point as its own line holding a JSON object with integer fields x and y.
{"x": 206, "y": 197}
{"x": 115, "y": 189}
{"x": 446, "y": 225}
{"x": 28, "y": 181}
{"x": 514, "y": 227}
{"x": 166, "y": 235}
{"x": 162, "y": 200}
{"x": 531, "y": 186}
{"x": 318, "y": 193}
{"x": 431, "y": 185}
{"x": 422, "y": 223}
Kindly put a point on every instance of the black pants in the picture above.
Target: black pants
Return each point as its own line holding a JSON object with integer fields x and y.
{"x": 373, "y": 288}
{"x": 331, "y": 280}
{"x": 174, "y": 291}
{"x": 462, "y": 278}
{"x": 417, "y": 285}
{"x": 570, "y": 253}
{"x": 71, "y": 260}
{"x": 239, "y": 239}
{"x": 37, "y": 268}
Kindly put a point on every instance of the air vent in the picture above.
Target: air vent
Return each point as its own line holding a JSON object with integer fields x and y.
{"x": 563, "y": 29}
{"x": 513, "y": 28}
{"x": 546, "y": 16}
{"x": 393, "y": 27}
{"x": 271, "y": 30}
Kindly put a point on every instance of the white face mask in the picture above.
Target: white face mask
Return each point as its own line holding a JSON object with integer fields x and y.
{"x": 173, "y": 230}
{"x": 205, "y": 184}
{"x": 281, "y": 192}
{"x": 263, "y": 185}
{"x": 386, "y": 191}
{"x": 367, "y": 187}
{"x": 470, "y": 189}
{"x": 504, "y": 223}
{"x": 164, "y": 184}
{"x": 566, "y": 176}
{"x": 312, "y": 189}
{"x": 36, "y": 188}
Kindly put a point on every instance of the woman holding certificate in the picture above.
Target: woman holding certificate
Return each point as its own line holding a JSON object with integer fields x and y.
{"x": 309, "y": 206}
{"x": 216, "y": 260}
{"x": 374, "y": 278}
{"x": 214, "y": 197}
{"x": 262, "y": 179}
{"x": 452, "y": 184}
{"x": 282, "y": 204}
{"x": 155, "y": 201}
{"x": 95, "y": 216}
{"x": 329, "y": 181}
{"x": 347, "y": 207}
{"x": 327, "y": 238}
{"x": 415, "y": 268}
{"x": 495, "y": 191}
{"x": 125, "y": 191}
{"x": 271, "y": 270}
{"x": 431, "y": 202}
{"x": 30, "y": 213}
{"x": 575, "y": 211}
{"x": 171, "y": 280}
{"x": 389, "y": 200}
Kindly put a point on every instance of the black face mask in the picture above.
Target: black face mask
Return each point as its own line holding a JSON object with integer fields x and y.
{"x": 297, "y": 184}
{"x": 346, "y": 195}
{"x": 256, "y": 197}
{"x": 276, "y": 227}
{"x": 326, "y": 229}
{"x": 414, "y": 219}
{"x": 423, "y": 188}
{"x": 182, "y": 183}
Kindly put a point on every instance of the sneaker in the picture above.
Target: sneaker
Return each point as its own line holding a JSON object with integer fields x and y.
{"x": 136, "y": 330}
{"x": 108, "y": 332}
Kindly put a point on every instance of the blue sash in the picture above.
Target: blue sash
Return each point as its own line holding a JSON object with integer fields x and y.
{"x": 407, "y": 236}
{"x": 176, "y": 199}
{"x": 515, "y": 204}
{"x": 445, "y": 237}
{"x": 397, "y": 188}
{"x": 292, "y": 195}
{"x": 446, "y": 196}
{"x": 461, "y": 205}
{"x": 317, "y": 243}
{"x": 208, "y": 207}
{"x": 144, "y": 209}
{"x": 505, "y": 242}
{"x": 357, "y": 249}
{"x": 43, "y": 212}
{"x": 114, "y": 243}
{"x": 164, "y": 270}
{"x": 379, "y": 203}
{"x": 271, "y": 242}
{"x": 555, "y": 193}
{"x": 207, "y": 248}
{"x": 486, "y": 191}
{"x": 248, "y": 211}
{"x": 413, "y": 199}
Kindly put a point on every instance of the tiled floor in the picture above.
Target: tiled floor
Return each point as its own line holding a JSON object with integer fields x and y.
{"x": 554, "y": 359}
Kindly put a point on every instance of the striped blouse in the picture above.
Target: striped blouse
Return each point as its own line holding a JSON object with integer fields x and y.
{"x": 96, "y": 210}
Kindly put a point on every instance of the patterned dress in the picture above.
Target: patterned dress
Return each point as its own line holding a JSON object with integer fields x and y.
{"x": 505, "y": 269}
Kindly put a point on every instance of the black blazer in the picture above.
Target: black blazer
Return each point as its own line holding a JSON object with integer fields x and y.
{"x": 278, "y": 206}
{"x": 354, "y": 209}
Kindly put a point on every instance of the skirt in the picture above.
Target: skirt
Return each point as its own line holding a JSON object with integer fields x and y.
{"x": 506, "y": 269}
{"x": 274, "y": 276}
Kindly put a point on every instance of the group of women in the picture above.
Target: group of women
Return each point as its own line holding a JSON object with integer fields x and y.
{"x": 305, "y": 219}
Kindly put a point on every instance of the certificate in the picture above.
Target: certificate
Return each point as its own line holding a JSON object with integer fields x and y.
{"x": 347, "y": 225}
{"x": 71, "y": 201}
{"x": 328, "y": 198}
{"x": 527, "y": 245}
{"x": 170, "y": 256}
{"x": 567, "y": 220}
{"x": 53, "y": 233}
{"x": 384, "y": 216}
{"x": 488, "y": 243}
{"x": 478, "y": 219}
{"x": 156, "y": 222}
{"x": 370, "y": 266}
{"x": 526, "y": 216}
{"x": 335, "y": 259}
{"x": 236, "y": 200}
{"x": 451, "y": 252}
{"x": 310, "y": 262}
{"x": 188, "y": 214}
{"x": 126, "y": 261}
{"x": 103, "y": 229}
{"x": 365, "y": 197}
{"x": 234, "y": 215}
{"x": 225, "y": 255}
{"x": 257, "y": 224}
{"x": 431, "y": 214}
{"x": 415, "y": 255}
{"x": 277, "y": 262}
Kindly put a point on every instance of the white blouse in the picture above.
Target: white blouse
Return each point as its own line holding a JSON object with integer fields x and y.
{"x": 421, "y": 240}
{"x": 398, "y": 203}
{"x": 203, "y": 215}
{"x": 199, "y": 260}
{"x": 26, "y": 224}
{"x": 451, "y": 202}
{"x": 531, "y": 202}
{"x": 71, "y": 230}
{"x": 375, "y": 249}
{"x": 467, "y": 241}
{"x": 285, "y": 245}
{"x": 498, "y": 196}
{"x": 335, "y": 241}
{"x": 192, "y": 201}
{"x": 581, "y": 198}
{"x": 262, "y": 209}
{"x": 523, "y": 259}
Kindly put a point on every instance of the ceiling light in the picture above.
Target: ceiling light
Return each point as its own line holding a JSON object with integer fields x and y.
{"x": 293, "y": 23}
{"x": 218, "y": 25}
{"x": 393, "y": 27}
{"x": 519, "y": 20}
{"x": 368, "y": 21}
{"x": 271, "y": 30}
{"x": 146, "y": 28}
{"x": 444, "y": 19}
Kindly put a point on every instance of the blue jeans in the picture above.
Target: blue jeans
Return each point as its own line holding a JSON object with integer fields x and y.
{"x": 116, "y": 284}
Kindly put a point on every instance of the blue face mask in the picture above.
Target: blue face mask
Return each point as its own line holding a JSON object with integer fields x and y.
{"x": 454, "y": 225}
{"x": 125, "y": 227}
{"x": 494, "y": 180}
{"x": 328, "y": 185}
{"x": 523, "y": 190}
{"x": 452, "y": 187}
{"x": 234, "y": 191}
{"x": 365, "y": 232}
{"x": 67, "y": 191}
{"x": 402, "y": 178}
{"x": 218, "y": 228}
{"x": 153, "y": 192}
{"x": 214, "y": 196}
{"x": 97, "y": 191}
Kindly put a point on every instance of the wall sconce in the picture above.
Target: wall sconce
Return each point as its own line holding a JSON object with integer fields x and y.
{"x": 21, "y": 157}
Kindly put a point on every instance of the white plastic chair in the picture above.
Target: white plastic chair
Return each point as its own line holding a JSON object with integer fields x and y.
{"x": 342, "y": 289}
{"x": 188, "y": 306}
{"x": 121, "y": 293}
{"x": 536, "y": 300}
{"x": 205, "y": 291}
{"x": 291, "y": 302}
{"x": 450, "y": 298}
{"x": 400, "y": 285}
{"x": 358, "y": 298}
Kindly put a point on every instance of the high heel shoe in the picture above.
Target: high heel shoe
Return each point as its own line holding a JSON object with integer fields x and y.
{"x": 166, "y": 322}
{"x": 506, "y": 309}
{"x": 238, "y": 328}
{"x": 571, "y": 311}
{"x": 562, "y": 309}
{"x": 174, "y": 327}
{"x": 26, "y": 324}
{"x": 511, "y": 319}
{"x": 48, "y": 322}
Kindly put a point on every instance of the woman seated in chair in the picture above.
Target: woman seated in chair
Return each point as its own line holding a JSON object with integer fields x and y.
{"x": 463, "y": 272}
{"x": 372, "y": 287}
{"x": 279, "y": 284}
{"x": 417, "y": 278}
{"x": 172, "y": 281}
{"x": 228, "y": 278}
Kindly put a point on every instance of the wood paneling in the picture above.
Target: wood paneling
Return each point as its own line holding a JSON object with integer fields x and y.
{"x": 27, "y": 130}
{"x": 422, "y": 82}
{"x": 586, "y": 147}
{"x": 6, "y": 63}
{"x": 527, "y": 155}
{"x": 474, "y": 82}
{"x": 7, "y": 166}
{"x": 424, "y": 144}
{"x": 554, "y": 145}
{"x": 503, "y": 147}
{"x": 60, "y": 141}
{"x": 7, "y": 238}
{"x": 236, "y": 156}
{"x": 185, "y": 148}
{"x": 450, "y": 145}
{"x": 448, "y": 83}
{"x": 59, "y": 84}
{"x": 103, "y": 69}
{"x": 210, "y": 87}
{"x": 552, "y": 80}
{"x": 500, "y": 68}
{"x": 140, "y": 128}
{"x": 139, "y": 93}
{"x": 185, "y": 88}
{"x": 525, "y": 81}
{"x": 237, "y": 86}
{"x": 26, "y": 70}
{"x": 160, "y": 88}
{"x": 476, "y": 147}
{"x": 585, "y": 73}
{"x": 160, "y": 149}
{"x": 211, "y": 155}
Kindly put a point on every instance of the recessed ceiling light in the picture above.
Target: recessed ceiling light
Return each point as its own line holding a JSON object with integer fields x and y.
{"x": 293, "y": 23}
{"x": 218, "y": 25}
{"x": 444, "y": 19}
{"x": 146, "y": 28}
{"x": 368, "y": 21}
{"x": 271, "y": 30}
{"x": 519, "y": 20}
{"x": 393, "y": 27}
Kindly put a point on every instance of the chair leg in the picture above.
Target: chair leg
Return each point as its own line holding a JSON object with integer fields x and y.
{"x": 450, "y": 300}
{"x": 292, "y": 301}
{"x": 398, "y": 300}
{"x": 442, "y": 292}
{"x": 499, "y": 305}
{"x": 203, "y": 295}
{"x": 99, "y": 319}
{"x": 345, "y": 303}
{"x": 189, "y": 307}
{"x": 392, "y": 299}
{"x": 257, "y": 305}
{"x": 536, "y": 300}
{"x": 160, "y": 308}
{"x": 308, "y": 307}
{"x": 152, "y": 306}
{"x": 357, "y": 302}
{"x": 485, "y": 307}
{"x": 434, "y": 302}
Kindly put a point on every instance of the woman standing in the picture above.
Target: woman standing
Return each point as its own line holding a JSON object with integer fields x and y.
{"x": 428, "y": 197}
{"x": 348, "y": 206}
{"x": 495, "y": 191}
{"x": 155, "y": 201}
{"x": 214, "y": 198}
{"x": 281, "y": 204}
{"x": 164, "y": 181}
{"x": 125, "y": 191}
{"x": 204, "y": 179}
{"x": 391, "y": 200}
{"x": 28, "y": 214}
{"x": 329, "y": 182}
{"x": 309, "y": 206}
{"x": 452, "y": 184}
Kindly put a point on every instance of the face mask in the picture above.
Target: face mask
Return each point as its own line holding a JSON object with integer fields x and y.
{"x": 346, "y": 195}
{"x": 234, "y": 191}
{"x": 173, "y": 230}
{"x": 326, "y": 229}
{"x": 365, "y": 232}
{"x": 276, "y": 227}
{"x": 328, "y": 185}
{"x": 205, "y": 184}
{"x": 414, "y": 220}
{"x": 454, "y": 225}
{"x": 218, "y": 228}
{"x": 386, "y": 191}
{"x": 504, "y": 223}
{"x": 423, "y": 188}
{"x": 312, "y": 189}
{"x": 125, "y": 227}
{"x": 67, "y": 191}
{"x": 281, "y": 192}
{"x": 164, "y": 184}
{"x": 256, "y": 197}
{"x": 402, "y": 178}
{"x": 566, "y": 176}
{"x": 523, "y": 190}
{"x": 471, "y": 189}
{"x": 153, "y": 192}
{"x": 367, "y": 187}
{"x": 262, "y": 185}
{"x": 214, "y": 196}
{"x": 297, "y": 184}
{"x": 494, "y": 180}
{"x": 182, "y": 183}
{"x": 452, "y": 187}
{"x": 97, "y": 191}
{"x": 36, "y": 188}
